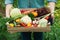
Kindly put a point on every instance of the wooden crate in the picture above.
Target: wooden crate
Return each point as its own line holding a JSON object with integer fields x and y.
{"x": 30, "y": 29}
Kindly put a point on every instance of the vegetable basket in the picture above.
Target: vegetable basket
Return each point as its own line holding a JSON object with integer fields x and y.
{"x": 34, "y": 28}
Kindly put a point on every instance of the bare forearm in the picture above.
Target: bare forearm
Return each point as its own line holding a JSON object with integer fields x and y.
{"x": 8, "y": 9}
{"x": 51, "y": 6}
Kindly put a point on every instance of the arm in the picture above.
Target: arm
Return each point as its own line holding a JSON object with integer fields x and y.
{"x": 8, "y": 7}
{"x": 51, "y": 4}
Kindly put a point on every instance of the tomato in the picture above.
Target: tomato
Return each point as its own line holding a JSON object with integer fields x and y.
{"x": 34, "y": 25}
{"x": 22, "y": 11}
{"x": 47, "y": 18}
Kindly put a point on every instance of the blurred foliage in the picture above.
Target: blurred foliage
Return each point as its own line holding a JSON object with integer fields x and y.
{"x": 54, "y": 34}
{"x": 4, "y": 34}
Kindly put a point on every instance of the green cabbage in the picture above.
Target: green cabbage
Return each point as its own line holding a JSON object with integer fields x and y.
{"x": 26, "y": 19}
{"x": 15, "y": 13}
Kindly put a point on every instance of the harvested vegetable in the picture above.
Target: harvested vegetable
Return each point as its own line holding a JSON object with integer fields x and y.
{"x": 11, "y": 25}
{"x": 26, "y": 19}
{"x": 15, "y": 13}
{"x": 18, "y": 20}
{"x": 43, "y": 22}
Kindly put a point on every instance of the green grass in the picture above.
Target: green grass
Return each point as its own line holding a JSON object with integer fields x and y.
{"x": 54, "y": 34}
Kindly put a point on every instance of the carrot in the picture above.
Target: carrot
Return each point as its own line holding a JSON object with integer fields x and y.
{"x": 23, "y": 24}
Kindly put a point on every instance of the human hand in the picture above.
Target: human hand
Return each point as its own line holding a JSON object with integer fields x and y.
{"x": 8, "y": 9}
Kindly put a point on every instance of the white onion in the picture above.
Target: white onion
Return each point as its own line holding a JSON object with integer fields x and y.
{"x": 43, "y": 22}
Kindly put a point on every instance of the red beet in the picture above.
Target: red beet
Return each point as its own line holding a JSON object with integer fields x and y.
{"x": 22, "y": 11}
{"x": 43, "y": 11}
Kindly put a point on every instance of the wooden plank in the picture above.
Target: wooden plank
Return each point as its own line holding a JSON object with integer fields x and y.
{"x": 31, "y": 29}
